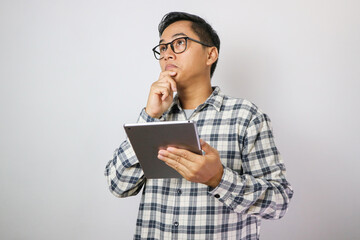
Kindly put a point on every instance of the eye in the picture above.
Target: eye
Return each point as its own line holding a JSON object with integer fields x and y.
{"x": 180, "y": 42}
{"x": 162, "y": 48}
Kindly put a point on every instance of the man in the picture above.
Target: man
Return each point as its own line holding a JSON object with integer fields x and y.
{"x": 240, "y": 178}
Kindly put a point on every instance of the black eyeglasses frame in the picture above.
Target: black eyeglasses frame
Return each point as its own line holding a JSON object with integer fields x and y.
{"x": 172, "y": 46}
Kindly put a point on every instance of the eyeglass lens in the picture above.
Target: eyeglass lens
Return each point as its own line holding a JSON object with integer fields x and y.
{"x": 178, "y": 46}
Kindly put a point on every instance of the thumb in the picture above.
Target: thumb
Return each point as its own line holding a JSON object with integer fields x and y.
{"x": 206, "y": 147}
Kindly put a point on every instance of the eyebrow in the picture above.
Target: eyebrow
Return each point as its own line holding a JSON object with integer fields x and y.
{"x": 175, "y": 35}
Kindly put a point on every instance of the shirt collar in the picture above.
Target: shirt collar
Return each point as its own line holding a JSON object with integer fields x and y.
{"x": 215, "y": 99}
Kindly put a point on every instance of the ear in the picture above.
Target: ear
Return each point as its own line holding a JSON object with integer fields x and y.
{"x": 212, "y": 55}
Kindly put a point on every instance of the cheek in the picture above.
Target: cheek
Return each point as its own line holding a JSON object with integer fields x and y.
{"x": 195, "y": 59}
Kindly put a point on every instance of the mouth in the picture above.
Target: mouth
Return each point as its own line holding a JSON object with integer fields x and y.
{"x": 170, "y": 67}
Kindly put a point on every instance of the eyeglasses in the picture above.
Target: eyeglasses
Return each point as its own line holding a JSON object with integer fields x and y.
{"x": 178, "y": 45}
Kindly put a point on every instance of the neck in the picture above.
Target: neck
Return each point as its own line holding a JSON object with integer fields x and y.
{"x": 192, "y": 96}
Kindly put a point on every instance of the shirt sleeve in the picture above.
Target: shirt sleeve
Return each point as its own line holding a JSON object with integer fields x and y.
{"x": 261, "y": 187}
{"x": 123, "y": 173}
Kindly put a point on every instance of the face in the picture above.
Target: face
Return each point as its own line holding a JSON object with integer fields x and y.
{"x": 189, "y": 65}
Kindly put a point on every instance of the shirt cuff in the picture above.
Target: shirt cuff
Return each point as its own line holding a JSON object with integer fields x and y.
{"x": 226, "y": 186}
{"x": 144, "y": 117}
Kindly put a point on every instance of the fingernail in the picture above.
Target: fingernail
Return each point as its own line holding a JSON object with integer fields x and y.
{"x": 170, "y": 149}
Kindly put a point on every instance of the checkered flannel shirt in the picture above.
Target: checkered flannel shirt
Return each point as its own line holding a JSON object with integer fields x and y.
{"x": 253, "y": 185}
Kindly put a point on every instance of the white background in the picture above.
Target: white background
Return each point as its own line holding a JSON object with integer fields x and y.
{"x": 73, "y": 72}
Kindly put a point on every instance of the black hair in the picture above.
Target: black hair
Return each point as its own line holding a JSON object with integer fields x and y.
{"x": 203, "y": 29}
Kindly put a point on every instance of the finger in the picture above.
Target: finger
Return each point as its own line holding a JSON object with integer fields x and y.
{"x": 181, "y": 171}
{"x": 162, "y": 89}
{"x": 163, "y": 93}
{"x": 164, "y": 96}
{"x": 182, "y": 153}
{"x": 167, "y": 80}
{"x": 168, "y": 73}
{"x": 174, "y": 163}
{"x": 169, "y": 158}
{"x": 180, "y": 159}
{"x": 168, "y": 76}
{"x": 167, "y": 155}
{"x": 161, "y": 84}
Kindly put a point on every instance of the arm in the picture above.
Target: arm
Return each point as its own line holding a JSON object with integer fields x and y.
{"x": 261, "y": 188}
{"x": 124, "y": 174}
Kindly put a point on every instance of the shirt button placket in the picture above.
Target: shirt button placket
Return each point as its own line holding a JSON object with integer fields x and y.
{"x": 175, "y": 225}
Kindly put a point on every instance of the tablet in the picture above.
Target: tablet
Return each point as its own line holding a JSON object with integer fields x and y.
{"x": 148, "y": 138}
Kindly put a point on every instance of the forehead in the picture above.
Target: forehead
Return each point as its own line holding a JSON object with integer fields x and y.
{"x": 176, "y": 28}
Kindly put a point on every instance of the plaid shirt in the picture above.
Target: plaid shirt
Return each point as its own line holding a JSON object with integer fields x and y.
{"x": 253, "y": 185}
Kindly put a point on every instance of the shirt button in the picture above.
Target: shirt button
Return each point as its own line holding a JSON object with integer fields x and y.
{"x": 217, "y": 195}
{"x": 179, "y": 191}
{"x": 176, "y": 224}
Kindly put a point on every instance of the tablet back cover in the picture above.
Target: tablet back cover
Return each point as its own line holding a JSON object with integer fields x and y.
{"x": 148, "y": 138}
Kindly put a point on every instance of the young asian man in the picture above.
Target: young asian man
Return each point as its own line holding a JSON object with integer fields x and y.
{"x": 239, "y": 180}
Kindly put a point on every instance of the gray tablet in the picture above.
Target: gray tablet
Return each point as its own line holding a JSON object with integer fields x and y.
{"x": 148, "y": 138}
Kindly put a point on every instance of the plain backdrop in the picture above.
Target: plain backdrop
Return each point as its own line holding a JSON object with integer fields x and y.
{"x": 73, "y": 72}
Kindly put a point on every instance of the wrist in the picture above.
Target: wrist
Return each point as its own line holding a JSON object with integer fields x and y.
{"x": 215, "y": 181}
{"x": 152, "y": 114}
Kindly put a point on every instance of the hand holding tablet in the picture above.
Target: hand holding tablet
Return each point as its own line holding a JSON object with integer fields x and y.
{"x": 148, "y": 138}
